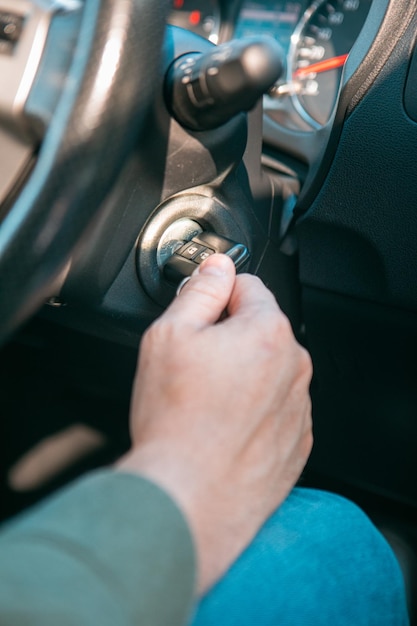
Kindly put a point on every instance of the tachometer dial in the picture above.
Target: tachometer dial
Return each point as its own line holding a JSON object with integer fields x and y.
{"x": 200, "y": 16}
{"x": 319, "y": 48}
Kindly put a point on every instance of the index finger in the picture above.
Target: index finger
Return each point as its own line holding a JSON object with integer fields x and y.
{"x": 250, "y": 297}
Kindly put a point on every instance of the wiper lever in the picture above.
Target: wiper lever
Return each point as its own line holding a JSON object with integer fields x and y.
{"x": 203, "y": 91}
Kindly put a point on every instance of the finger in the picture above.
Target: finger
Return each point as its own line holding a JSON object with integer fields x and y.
{"x": 251, "y": 297}
{"x": 206, "y": 295}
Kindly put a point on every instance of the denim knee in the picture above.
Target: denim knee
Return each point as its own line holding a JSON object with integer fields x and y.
{"x": 317, "y": 560}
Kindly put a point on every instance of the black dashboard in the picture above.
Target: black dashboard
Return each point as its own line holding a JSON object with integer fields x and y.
{"x": 316, "y": 38}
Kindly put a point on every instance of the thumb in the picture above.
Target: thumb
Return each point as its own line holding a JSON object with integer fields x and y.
{"x": 206, "y": 295}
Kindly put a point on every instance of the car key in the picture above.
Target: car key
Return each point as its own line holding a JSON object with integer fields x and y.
{"x": 189, "y": 256}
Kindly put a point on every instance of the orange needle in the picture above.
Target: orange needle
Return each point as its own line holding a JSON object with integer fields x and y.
{"x": 322, "y": 66}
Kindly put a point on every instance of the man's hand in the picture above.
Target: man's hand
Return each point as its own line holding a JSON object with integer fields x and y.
{"x": 221, "y": 415}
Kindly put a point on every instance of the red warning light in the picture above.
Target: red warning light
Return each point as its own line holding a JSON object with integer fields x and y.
{"x": 178, "y": 4}
{"x": 195, "y": 18}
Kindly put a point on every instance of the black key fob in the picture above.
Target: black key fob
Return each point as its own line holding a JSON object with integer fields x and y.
{"x": 189, "y": 256}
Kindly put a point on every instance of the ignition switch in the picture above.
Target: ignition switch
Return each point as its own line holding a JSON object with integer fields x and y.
{"x": 174, "y": 237}
{"x": 182, "y": 232}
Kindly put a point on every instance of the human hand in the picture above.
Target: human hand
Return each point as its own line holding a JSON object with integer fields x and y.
{"x": 220, "y": 413}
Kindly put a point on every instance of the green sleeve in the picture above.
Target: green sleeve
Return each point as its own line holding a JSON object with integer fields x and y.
{"x": 111, "y": 550}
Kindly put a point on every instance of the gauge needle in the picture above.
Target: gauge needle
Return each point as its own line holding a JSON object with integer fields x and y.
{"x": 322, "y": 66}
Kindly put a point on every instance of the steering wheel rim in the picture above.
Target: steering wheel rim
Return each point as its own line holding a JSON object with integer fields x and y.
{"x": 97, "y": 120}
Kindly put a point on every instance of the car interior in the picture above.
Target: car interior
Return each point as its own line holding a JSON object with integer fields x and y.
{"x": 139, "y": 137}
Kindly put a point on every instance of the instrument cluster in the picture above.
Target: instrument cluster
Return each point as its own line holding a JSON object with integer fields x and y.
{"x": 316, "y": 38}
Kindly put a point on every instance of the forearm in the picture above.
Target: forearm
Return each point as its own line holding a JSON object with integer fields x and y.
{"x": 112, "y": 549}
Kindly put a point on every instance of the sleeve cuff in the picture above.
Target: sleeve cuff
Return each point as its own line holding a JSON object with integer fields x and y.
{"x": 128, "y": 532}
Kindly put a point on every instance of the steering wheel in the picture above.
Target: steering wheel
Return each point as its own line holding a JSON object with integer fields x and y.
{"x": 89, "y": 131}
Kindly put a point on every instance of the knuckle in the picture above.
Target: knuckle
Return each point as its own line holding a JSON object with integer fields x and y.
{"x": 305, "y": 364}
{"x": 248, "y": 279}
{"x": 284, "y": 325}
{"x": 277, "y": 326}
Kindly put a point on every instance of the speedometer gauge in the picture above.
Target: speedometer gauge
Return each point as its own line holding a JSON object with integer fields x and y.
{"x": 319, "y": 48}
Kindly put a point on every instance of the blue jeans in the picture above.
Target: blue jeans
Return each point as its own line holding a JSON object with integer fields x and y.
{"x": 318, "y": 561}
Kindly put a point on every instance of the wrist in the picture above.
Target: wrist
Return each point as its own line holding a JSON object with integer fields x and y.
{"x": 178, "y": 476}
